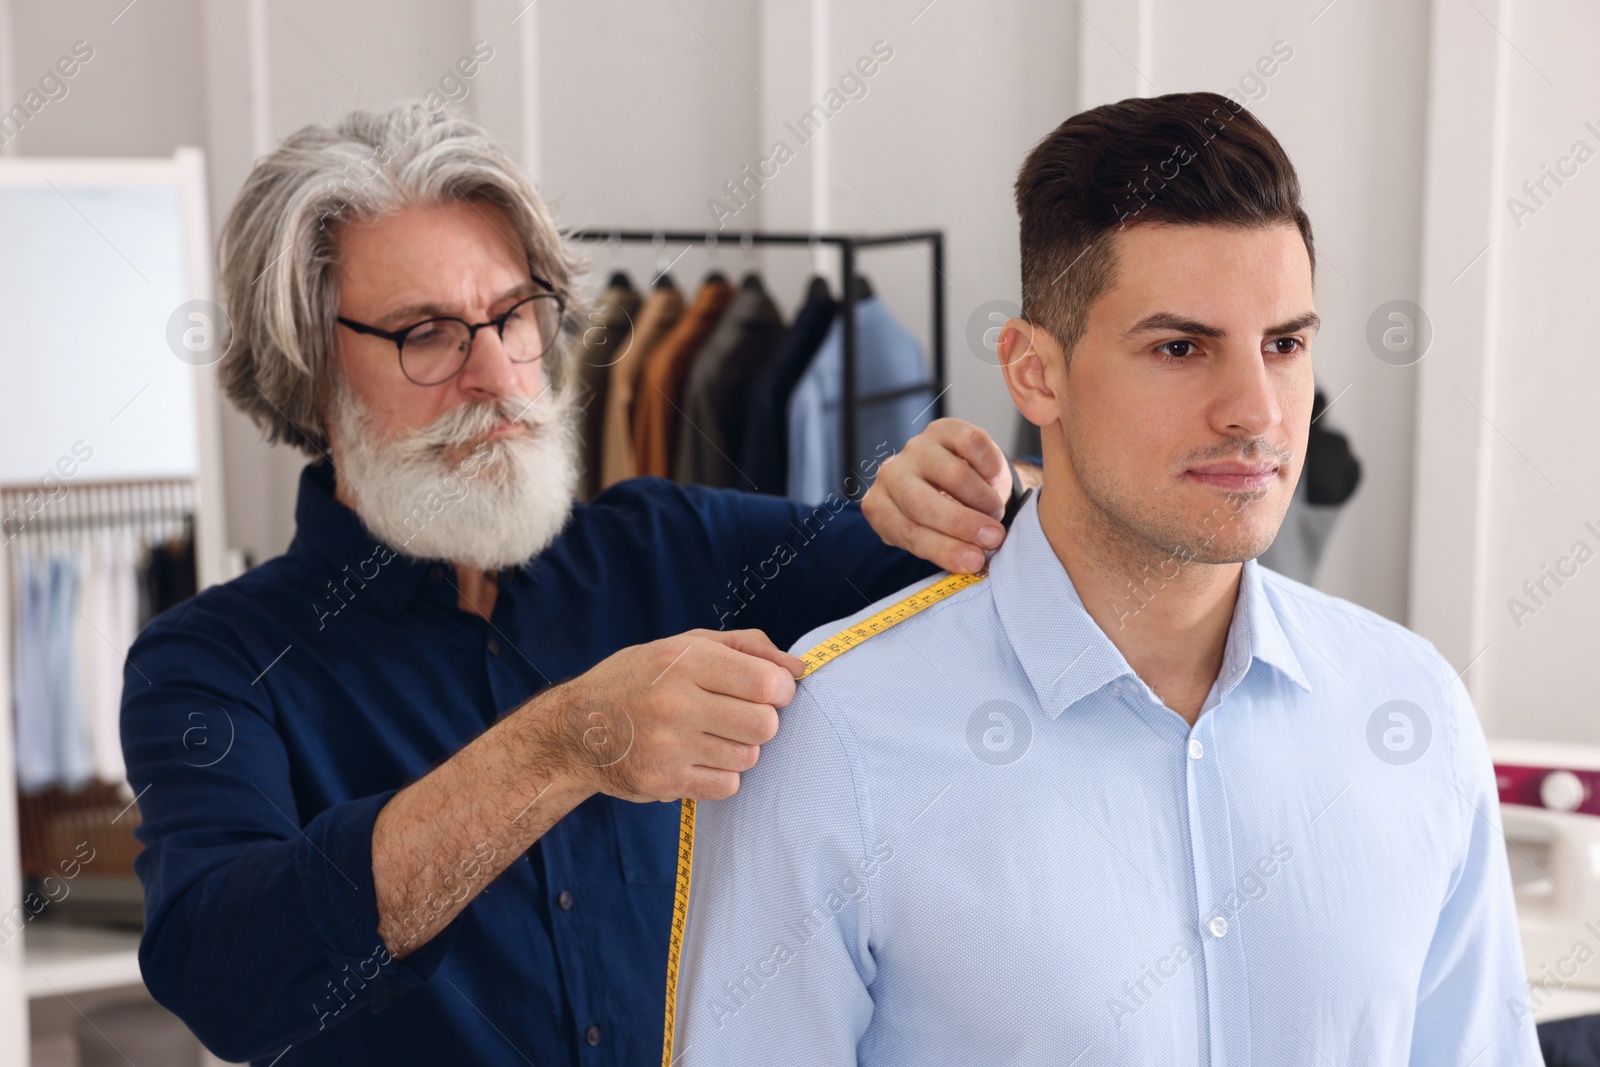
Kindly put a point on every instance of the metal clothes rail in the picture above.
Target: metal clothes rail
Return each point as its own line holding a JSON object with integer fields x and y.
{"x": 848, "y": 245}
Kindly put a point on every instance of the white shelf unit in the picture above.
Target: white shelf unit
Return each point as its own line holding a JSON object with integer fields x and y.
{"x": 60, "y": 959}
{"x": 50, "y": 960}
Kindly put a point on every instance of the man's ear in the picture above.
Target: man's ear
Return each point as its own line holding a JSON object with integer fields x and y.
{"x": 1033, "y": 363}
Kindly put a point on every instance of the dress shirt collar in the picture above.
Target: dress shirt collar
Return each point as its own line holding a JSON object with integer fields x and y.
{"x": 1065, "y": 653}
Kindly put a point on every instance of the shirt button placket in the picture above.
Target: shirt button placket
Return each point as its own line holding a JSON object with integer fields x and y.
{"x": 506, "y": 681}
{"x": 1216, "y": 873}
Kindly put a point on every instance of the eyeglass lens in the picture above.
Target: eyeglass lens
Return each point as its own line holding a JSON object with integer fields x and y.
{"x": 435, "y": 350}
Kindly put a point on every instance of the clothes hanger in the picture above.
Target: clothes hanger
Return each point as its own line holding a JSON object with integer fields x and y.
{"x": 663, "y": 265}
{"x": 752, "y": 273}
{"x": 818, "y": 287}
{"x": 714, "y": 274}
{"x": 619, "y": 277}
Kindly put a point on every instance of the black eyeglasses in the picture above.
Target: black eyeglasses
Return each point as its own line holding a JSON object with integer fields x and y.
{"x": 435, "y": 350}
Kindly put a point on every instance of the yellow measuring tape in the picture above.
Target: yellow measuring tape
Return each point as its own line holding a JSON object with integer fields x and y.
{"x": 833, "y": 647}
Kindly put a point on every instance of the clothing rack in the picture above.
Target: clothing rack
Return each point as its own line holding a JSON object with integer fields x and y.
{"x": 48, "y": 519}
{"x": 849, "y": 245}
{"x": 157, "y": 509}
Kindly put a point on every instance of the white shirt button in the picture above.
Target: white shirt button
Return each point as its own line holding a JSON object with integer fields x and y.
{"x": 1196, "y": 749}
{"x": 1218, "y": 926}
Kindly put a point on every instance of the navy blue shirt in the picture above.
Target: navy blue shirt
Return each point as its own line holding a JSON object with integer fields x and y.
{"x": 266, "y": 721}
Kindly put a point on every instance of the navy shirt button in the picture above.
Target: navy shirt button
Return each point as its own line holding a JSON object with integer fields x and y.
{"x": 436, "y": 573}
{"x": 565, "y": 900}
{"x": 592, "y": 1035}
{"x": 494, "y": 647}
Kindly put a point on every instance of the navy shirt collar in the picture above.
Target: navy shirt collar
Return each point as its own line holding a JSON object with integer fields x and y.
{"x": 331, "y": 531}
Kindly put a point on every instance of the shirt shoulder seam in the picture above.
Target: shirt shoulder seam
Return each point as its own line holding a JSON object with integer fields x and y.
{"x": 866, "y": 823}
{"x": 1322, "y": 602}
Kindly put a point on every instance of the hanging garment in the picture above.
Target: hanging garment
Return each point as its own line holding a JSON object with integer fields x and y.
{"x": 73, "y": 756}
{"x": 109, "y": 610}
{"x": 764, "y": 453}
{"x": 1332, "y": 471}
{"x": 604, "y": 337}
{"x": 713, "y": 397}
{"x": 166, "y": 577}
{"x": 887, "y": 358}
{"x": 657, "y": 316}
{"x": 88, "y": 638}
{"x": 30, "y": 685}
{"x": 659, "y": 408}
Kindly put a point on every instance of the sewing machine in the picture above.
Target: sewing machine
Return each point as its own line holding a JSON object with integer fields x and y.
{"x": 1550, "y": 807}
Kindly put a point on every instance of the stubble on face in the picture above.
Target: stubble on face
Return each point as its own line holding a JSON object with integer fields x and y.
{"x": 1124, "y": 514}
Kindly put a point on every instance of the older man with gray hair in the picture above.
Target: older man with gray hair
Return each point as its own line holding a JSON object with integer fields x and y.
{"x": 409, "y": 790}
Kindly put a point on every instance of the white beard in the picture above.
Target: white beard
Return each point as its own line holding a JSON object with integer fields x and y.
{"x": 434, "y": 494}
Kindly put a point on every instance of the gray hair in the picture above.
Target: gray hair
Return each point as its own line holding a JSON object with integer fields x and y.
{"x": 277, "y": 254}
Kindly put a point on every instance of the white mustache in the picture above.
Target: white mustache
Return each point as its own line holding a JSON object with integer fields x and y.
{"x": 461, "y": 425}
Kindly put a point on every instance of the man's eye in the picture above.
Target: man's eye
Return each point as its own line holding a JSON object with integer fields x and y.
{"x": 1286, "y": 346}
{"x": 430, "y": 335}
{"x": 1176, "y": 350}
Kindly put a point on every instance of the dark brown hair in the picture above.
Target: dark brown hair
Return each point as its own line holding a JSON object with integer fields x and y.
{"x": 1185, "y": 158}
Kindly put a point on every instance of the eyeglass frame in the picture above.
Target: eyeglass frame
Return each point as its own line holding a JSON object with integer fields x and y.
{"x": 498, "y": 322}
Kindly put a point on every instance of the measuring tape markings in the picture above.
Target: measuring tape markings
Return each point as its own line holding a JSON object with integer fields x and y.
{"x": 816, "y": 657}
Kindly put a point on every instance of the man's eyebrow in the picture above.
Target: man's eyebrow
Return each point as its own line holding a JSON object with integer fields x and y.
{"x": 1308, "y": 321}
{"x": 1166, "y": 321}
{"x": 406, "y": 314}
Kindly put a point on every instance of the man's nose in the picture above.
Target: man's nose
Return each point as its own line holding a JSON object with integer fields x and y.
{"x": 1247, "y": 402}
{"x": 489, "y": 372}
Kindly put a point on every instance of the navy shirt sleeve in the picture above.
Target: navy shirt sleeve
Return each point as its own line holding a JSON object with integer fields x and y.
{"x": 261, "y": 931}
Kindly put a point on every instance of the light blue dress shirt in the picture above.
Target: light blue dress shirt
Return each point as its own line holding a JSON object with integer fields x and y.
{"x": 74, "y": 754}
{"x": 978, "y": 838}
{"x": 53, "y": 746}
{"x": 888, "y": 358}
{"x": 33, "y": 693}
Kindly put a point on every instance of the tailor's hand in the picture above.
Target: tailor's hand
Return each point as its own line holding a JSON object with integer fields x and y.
{"x": 680, "y": 717}
{"x": 941, "y": 498}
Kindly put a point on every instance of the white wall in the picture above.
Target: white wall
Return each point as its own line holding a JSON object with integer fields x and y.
{"x": 139, "y": 95}
{"x": 1505, "y": 472}
{"x": 1539, "y": 675}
